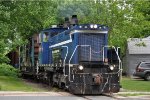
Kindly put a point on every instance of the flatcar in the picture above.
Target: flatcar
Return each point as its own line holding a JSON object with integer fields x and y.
{"x": 75, "y": 57}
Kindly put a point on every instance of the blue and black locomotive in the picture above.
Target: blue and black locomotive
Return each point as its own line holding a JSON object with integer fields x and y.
{"x": 75, "y": 57}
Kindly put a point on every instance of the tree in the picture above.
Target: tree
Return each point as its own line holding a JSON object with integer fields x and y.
{"x": 21, "y": 19}
{"x": 125, "y": 19}
{"x": 144, "y": 8}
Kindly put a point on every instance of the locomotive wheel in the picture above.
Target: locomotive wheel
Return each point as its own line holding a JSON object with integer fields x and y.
{"x": 36, "y": 78}
{"x": 23, "y": 76}
{"x": 52, "y": 83}
{"x": 62, "y": 85}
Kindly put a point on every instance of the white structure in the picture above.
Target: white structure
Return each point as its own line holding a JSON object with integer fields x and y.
{"x": 138, "y": 49}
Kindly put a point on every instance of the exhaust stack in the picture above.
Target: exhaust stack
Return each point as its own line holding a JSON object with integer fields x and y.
{"x": 74, "y": 20}
{"x": 66, "y": 23}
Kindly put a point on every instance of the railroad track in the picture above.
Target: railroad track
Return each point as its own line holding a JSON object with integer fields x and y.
{"x": 60, "y": 92}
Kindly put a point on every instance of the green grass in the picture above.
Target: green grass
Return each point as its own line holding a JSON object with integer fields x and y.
{"x": 15, "y": 84}
{"x": 135, "y": 85}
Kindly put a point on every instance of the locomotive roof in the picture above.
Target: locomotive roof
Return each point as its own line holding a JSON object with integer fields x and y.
{"x": 80, "y": 27}
{"x": 91, "y": 26}
{"x": 53, "y": 29}
{"x": 84, "y": 28}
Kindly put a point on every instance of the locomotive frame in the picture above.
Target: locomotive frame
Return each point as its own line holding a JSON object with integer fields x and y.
{"x": 76, "y": 58}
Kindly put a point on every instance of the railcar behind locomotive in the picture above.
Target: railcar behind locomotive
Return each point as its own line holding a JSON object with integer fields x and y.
{"x": 75, "y": 57}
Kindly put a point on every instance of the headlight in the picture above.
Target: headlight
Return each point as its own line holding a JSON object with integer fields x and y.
{"x": 80, "y": 67}
{"x": 95, "y": 26}
{"x": 111, "y": 67}
{"x": 85, "y": 27}
{"x": 91, "y": 26}
{"x": 80, "y": 26}
{"x": 104, "y": 27}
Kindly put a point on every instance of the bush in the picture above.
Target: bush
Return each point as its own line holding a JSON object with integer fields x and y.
{"x": 3, "y": 58}
{"x": 8, "y": 70}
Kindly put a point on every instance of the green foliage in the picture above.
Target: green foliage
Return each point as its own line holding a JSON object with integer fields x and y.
{"x": 135, "y": 85}
{"x": 141, "y": 44}
{"x": 3, "y": 59}
{"x": 126, "y": 19}
{"x": 20, "y": 19}
{"x": 123, "y": 17}
{"x": 32, "y": 16}
{"x": 7, "y": 70}
{"x": 68, "y": 8}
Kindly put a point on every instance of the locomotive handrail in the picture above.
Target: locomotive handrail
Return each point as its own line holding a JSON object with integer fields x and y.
{"x": 65, "y": 60}
{"x": 73, "y": 55}
{"x": 119, "y": 72}
{"x": 120, "y": 62}
{"x": 115, "y": 51}
{"x": 37, "y": 68}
